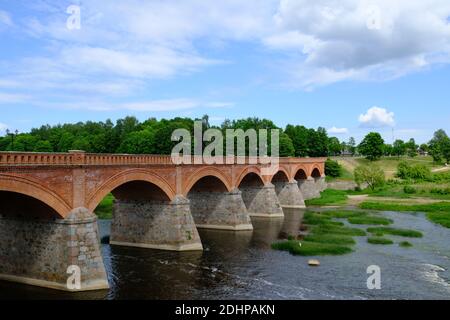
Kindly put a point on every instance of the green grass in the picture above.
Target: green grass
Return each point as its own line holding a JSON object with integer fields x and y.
{"x": 329, "y": 197}
{"x": 438, "y": 213}
{"x": 380, "y": 241}
{"x": 330, "y": 239}
{"x": 370, "y": 220}
{"x": 346, "y": 175}
{"x": 405, "y": 244}
{"x": 105, "y": 208}
{"x": 311, "y": 248}
{"x": 396, "y": 232}
{"x": 442, "y": 218}
{"x": 344, "y": 214}
{"x": 337, "y": 230}
{"x": 391, "y": 206}
{"x": 314, "y": 218}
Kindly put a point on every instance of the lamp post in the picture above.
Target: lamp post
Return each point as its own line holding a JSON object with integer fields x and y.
{"x": 12, "y": 134}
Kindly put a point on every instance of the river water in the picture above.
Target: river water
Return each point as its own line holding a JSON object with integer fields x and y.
{"x": 243, "y": 266}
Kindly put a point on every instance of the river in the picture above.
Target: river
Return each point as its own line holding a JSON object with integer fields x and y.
{"x": 243, "y": 266}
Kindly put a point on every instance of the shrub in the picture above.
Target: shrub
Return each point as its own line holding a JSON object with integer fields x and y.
{"x": 372, "y": 175}
{"x": 409, "y": 190}
{"x": 417, "y": 172}
{"x": 333, "y": 169}
{"x": 443, "y": 192}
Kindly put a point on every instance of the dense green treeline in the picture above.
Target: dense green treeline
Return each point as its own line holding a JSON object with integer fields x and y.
{"x": 129, "y": 135}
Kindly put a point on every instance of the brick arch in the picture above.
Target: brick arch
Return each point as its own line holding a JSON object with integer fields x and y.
{"x": 205, "y": 172}
{"x": 319, "y": 168}
{"x": 283, "y": 170}
{"x": 35, "y": 190}
{"x": 303, "y": 168}
{"x": 248, "y": 170}
{"x": 125, "y": 177}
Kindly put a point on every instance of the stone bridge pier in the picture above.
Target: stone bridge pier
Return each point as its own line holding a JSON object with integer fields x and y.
{"x": 144, "y": 216}
{"x": 213, "y": 206}
{"x": 260, "y": 197}
{"x": 288, "y": 192}
{"x": 47, "y": 204}
{"x": 310, "y": 186}
{"x": 37, "y": 246}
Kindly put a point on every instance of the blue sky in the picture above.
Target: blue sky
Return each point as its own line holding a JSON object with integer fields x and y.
{"x": 350, "y": 67}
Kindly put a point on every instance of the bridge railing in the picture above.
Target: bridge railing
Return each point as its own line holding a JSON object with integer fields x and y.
{"x": 81, "y": 158}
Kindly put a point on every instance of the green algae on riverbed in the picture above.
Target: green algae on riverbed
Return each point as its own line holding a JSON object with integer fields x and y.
{"x": 305, "y": 248}
{"x": 330, "y": 238}
{"x": 326, "y": 237}
{"x": 396, "y": 232}
{"x": 370, "y": 220}
{"x": 380, "y": 241}
{"x": 405, "y": 244}
{"x": 438, "y": 213}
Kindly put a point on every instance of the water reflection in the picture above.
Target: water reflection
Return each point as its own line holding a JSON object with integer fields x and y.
{"x": 241, "y": 265}
{"x": 292, "y": 221}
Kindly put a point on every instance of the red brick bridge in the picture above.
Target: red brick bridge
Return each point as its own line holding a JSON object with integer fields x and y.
{"x": 47, "y": 202}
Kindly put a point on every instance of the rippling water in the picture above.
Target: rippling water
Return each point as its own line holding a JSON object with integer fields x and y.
{"x": 243, "y": 266}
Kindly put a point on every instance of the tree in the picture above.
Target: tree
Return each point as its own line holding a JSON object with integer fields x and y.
{"x": 43, "y": 146}
{"x": 352, "y": 146}
{"x": 399, "y": 148}
{"x": 139, "y": 142}
{"x": 423, "y": 148}
{"x": 372, "y": 175}
{"x": 333, "y": 168}
{"x": 286, "y": 146}
{"x": 388, "y": 150}
{"x": 299, "y": 136}
{"x": 438, "y": 146}
{"x": 411, "y": 148}
{"x": 334, "y": 146}
{"x": 82, "y": 143}
{"x": 318, "y": 142}
{"x": 417, "y": 172}
{"x": 23, "y": 142}
{"x": 372, "y": 146}
{"x": 445, "y": 149}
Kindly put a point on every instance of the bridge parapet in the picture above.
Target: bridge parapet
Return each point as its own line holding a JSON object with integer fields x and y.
{"x": 77, "y": 158}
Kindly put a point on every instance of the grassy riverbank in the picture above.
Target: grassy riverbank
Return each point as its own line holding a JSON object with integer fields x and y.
{"x": 328, "y": 234}
{"x": 105, "y": 208}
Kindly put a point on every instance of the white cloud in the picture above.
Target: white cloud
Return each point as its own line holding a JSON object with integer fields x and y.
{"x": 124, "y": 45}
{"x": 137, "y": 106}
{"x": 377, "y": 117}
{"x": 5, "y": 18}
{"x": 3, "y": 128}
{"x": 219, "y": 104}
{"x": 338, "y": 40}
{"x": 335, "y": 130}
{"x": 11, "y": 98}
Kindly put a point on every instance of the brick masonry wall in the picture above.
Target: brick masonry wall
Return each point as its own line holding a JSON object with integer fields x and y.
{"x": 289, "y": 194}
{"x": 154, "y": 224}
{"x": 38, "y": 252}
{"x": 219, "y": 209}
{"x": 262, "y": 200}
{"x": 309, "y": 188}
